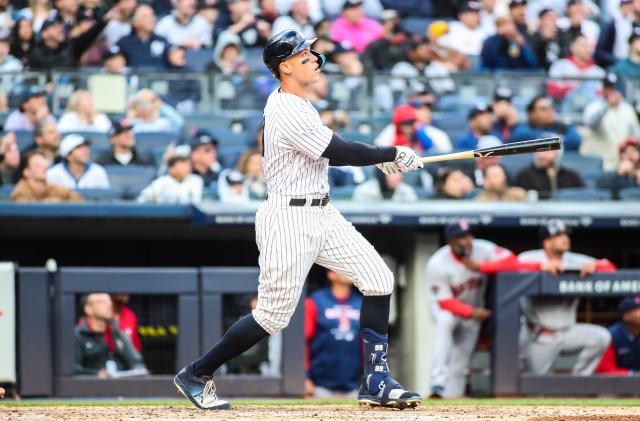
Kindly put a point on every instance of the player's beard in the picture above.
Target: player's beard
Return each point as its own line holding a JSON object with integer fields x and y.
{"x": 461, "y": 251}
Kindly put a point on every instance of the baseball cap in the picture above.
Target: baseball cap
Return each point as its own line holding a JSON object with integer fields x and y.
{"x": 342, "y": 47}
{"x": 610, "y": 80}
{"x": 479, "y": 109}
{"x": 201, "y": 137}
{"x": 234, "y": 177}
{"x": 50, "y": 21}
{"x": 112, "y": 52}
{"x": 388, "y": 14}
{"x": 628, "y": 142}
{"x": 205, "y": 4}
{"x": 348, "y": 4}
{"x": 552, "y": 228}
{"x": 176, "y": 158}
{"x": 503, "y": 93}
{"x": 119, "y": 125}
{"x": 457, "y": 229}
{"x": 31, "y": 92}
{"x": 470, "y": 6}
{"x": 516, "y": 3}
{"x": 403, "y": 114}
{"x": 627, "y": 304}
{"x": 70, "y": 142}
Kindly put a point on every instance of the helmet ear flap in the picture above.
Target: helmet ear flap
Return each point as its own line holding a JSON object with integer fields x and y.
{"x": 322, "y": 59}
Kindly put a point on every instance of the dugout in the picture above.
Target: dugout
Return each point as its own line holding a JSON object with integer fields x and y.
{"x": 129, "y": 236}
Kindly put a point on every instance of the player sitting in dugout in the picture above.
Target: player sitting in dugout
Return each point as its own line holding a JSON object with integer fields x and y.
{"x": 623, "y": 354}
{"x": 457, "y": 276}
{"x": 101, "y": 348}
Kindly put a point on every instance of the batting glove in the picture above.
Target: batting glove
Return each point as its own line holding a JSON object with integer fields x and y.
{"x": 407, "y": 160}
{"x": 388, "y": 168}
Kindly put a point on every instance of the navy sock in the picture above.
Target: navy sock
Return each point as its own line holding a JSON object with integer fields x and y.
{"x": 374, "y": 313}
{"x": 244, "y": 334}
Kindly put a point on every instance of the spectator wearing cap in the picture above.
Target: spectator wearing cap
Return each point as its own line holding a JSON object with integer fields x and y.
{"x": 517, "y": 13}
{"x": 143, "y": 48}
{"x": 204, "y": 156}
{"x": 354, "y": 27}
{"x": 552, "y": 327}
{"x": 77, "y": 171}
{"x": 507, "y": 49}
{"x": 294, "y": 14}
{"x": 627, "y": 172}
{"x": 183, "y": 27}
{"x": 388, "y": 50}
{"x": 114, "y": 61}
{"x": 9, "y": 159}
{"x": 81, "y": 115}
{"x": 611, "y": 120}
{"x": 576, "y": 22}
{"x": 120, "y": 25}
{"x": 578, "y": 65}
{"x": 33, "y": 110}
{"x": 439, "y": 139}
{"x": 8, "y": 63}
{"x": 629, "y": 66}
{"x": 505, "y": 113}
{"x": 542, "y": 123}
{"x": 452, "y": 59}
{"x": 384, "y": 187}
{"x": 466, "y": 35}
{"x": 452, "y": 184}
{"x": 250, "y": 166}
{"x": 46, "y": 140}
{"x": 411, "y": 132}
{"x": 57, "y": 48}
{"x": 33, "y": 185}
{"x": 495, "y": 186}
{"x": 545, "y": 42}
{"x": 252, "y": 31}
{"x": 545, "y": 175}
{"x": 480, "y": 124}
{"x": 232, "y": 187}
{"x": 622, "y": 357}
{"x": 418, "y": 62}
{"x": 123, "y": 147}
{"x": 228, "y": 55}
{"x": 23, "y": 40}
{"x": 179, "y": 186}
{"x": 615, "y": 39}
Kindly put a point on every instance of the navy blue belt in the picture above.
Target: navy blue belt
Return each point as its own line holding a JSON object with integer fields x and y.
{"x": 314, "y": 202}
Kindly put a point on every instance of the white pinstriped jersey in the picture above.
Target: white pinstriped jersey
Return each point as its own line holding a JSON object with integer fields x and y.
{"x": 294, "y": 140}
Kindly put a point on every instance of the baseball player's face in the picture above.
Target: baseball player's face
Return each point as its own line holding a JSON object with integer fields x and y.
{"x": 462, "y": 246}
{"x": 304, "y": 67}
{"x": 632, "y": 318}
{"x": 559, "y": 244}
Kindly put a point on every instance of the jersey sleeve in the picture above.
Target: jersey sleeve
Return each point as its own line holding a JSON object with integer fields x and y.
{"x": 437, "y": 281}
{"x": 304, "y": 130}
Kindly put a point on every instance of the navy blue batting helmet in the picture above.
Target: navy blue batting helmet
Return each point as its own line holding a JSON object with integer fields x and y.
{"x": 284, "y": 45}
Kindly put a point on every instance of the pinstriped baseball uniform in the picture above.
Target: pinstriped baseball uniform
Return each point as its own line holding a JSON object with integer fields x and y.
{"x": 292, "y": 238}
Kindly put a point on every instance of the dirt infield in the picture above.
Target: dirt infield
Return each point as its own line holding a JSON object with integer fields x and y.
{"x": 318, "y": 413}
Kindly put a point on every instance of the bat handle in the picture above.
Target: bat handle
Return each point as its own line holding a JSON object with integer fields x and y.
{"x": 447, "y": 157}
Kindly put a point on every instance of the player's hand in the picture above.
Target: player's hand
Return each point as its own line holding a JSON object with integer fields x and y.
{"x": 587, "y": 269}
{"x": 309, "y": 388}
{"x": 102, "y": 374}
{"x": 554, "y": 267}
{"x": 480, "y": 314}
{"x": 407, "y": 160}
{"x": 388, "y": 168}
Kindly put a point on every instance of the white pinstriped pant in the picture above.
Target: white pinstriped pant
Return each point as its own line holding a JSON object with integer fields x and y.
{"x": 291, "y": 239}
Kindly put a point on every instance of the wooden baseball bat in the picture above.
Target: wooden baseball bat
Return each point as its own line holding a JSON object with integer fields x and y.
{"x": 515, "y": 148}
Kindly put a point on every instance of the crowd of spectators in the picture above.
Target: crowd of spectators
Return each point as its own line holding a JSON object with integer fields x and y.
{"x": 586, "y": 49}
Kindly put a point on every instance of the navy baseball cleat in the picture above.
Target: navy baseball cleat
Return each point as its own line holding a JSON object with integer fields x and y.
{"x": 201, "y": 391}
{"x": 378, "y": 387}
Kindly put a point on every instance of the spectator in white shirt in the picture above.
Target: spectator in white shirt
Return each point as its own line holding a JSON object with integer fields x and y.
{"x": 76, "y": 171}
{"x": 179, "y": 186}
{"x": 184, "y": 27}
{"x": 466, "y": 35}
{"x": 148, "y": 113}
{"x": 384, "y": 187}
{"x": 233, "y": 187}
{"x": 295, "y": 16}
{"x": 81, "y": 116}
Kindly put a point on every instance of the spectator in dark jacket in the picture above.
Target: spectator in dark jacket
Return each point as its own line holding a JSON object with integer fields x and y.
{"x": 612, "y": 42}
{"x": 142, "y": 48}
{"x": 123, "y": 147}
{"x": 542, "y": 122}
{"x": 23, "y": 40}
{"x": 57, "y": 49}
{"x": 544, "y": 42}
{"x": 204, "y": 156}
{"x": 99, "y": 344}
{"x": 422, "y": 8}
{"x": 628, "y": 172}
{"x": 507, "y": 49}
{"x": 630, "y": 66}
{"x": 545, "y": 175}
{"x": 623, "y": 354}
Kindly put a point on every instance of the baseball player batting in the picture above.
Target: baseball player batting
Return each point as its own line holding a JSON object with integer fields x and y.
{"x": 297, "y": 226}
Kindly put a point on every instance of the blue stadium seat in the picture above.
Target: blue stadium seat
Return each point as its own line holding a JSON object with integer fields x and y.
{"x": 582, "y": 193}
{"x": 147, "y": 141}
{"x": 630, "y": 194}
{"x": 416, "y": 25}
{"x": 412, "y": 178}
{"x": 342, "y": 193}
{"x": 229, "y": 154}
{"x": 253, "y": 57}
{"x": 24, "y": 138}
{"x": 207, "y": 120}
{"x": 577, "y": 162}
{"x": 590, "y": 176}
{"x": 131, "y": 179}
{"x": 5, "y": 191}
{"x": 513, "y": 164}
{"x": 197, "y": 60}
{"x": 357, "y": 136}
{"x": 100, "y": 140}
{"x": 228, "y": 137}
{"x": 101, "y": 195}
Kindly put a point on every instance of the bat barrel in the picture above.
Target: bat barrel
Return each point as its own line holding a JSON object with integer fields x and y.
{"x": 516, "y": 148}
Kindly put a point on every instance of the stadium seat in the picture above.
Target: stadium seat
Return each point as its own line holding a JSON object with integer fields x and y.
{"x": 147, "y": 141}
{"x": 513, "y": 164}
{"x": 207, "y": 120}
{"x": 412, "y": 178}
{"x": 577, "y": 162}
{"x": 357, "y": 136}
{"x": 342, "y": 193}
{"x": 211, "y": 192}
{"x": 228, "y": 137}
{"x": 582, "y": 193}
{"x": 415, "y": 25}
{"x": 630, "y": 194}
{"x": 24, "y": 138}
{"x": 5, "y": 191}
{"x": 198, "y": 60}
{"x": 130, "y": 179}
{"x": 100, "y": 140}
{"x": 101, "y": 195}
{"x": 590, "y": 177}
{"x": 229, "y": 154}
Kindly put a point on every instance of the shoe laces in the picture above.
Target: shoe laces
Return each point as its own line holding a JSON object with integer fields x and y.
{"x": 209, "y": 391}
